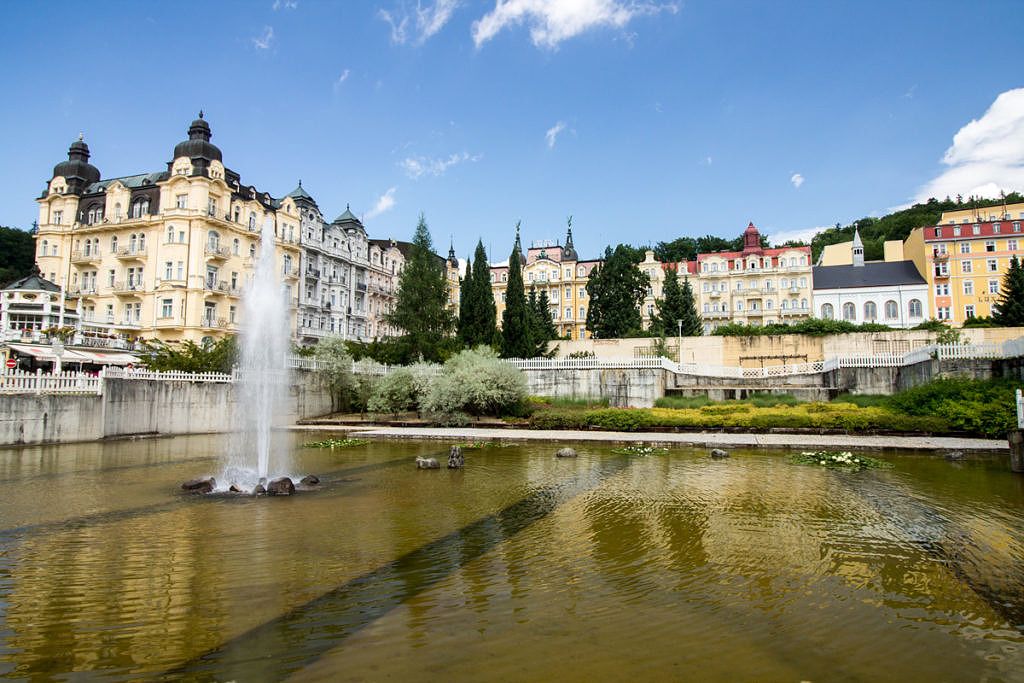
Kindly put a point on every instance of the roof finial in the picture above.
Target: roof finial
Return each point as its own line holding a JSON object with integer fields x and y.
{"x": 81, "y": 136}
{"x": 300, "y": 182}
{"x": 200, "y": 113}
{"x": 347, "y": 207}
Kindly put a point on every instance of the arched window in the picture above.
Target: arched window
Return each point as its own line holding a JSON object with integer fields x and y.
{"x": 117, "y": 211}
{"x": 769, "y": 304}
{"x": 287, "y": 264}
{"x": 212, "y": 240}
{"x": 252, "y": 220}
{"x": 891, "y": 311}
{"x": 54, "y": 252}
{"x": 870, "y": 311}
{"x": 170, "y": 234}
{"x": 803, "y": 304}
{"x": 849, "y": 311}
{"x": 915, "y": 308}
{"x": 784, "y": 305}
{"x": 88, "y": 247}
{"x": 142, "y": 241}
{"x": 235, "y": 246}
{"x": 46, "y": 246}
{"x": 133, "y": 243}
{"x": 252, "y": 251}
{"x": 113, "y": 244}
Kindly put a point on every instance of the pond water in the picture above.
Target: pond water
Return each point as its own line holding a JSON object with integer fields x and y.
{"x": 520, "y": 567}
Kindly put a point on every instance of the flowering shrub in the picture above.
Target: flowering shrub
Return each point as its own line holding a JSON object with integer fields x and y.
{"x": 838, "y": 460}
{"x": 476, "y": 382}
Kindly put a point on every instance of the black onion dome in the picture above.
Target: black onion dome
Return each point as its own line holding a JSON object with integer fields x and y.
{"x": 77, "y": 167}
{"x": 198, "y": 144}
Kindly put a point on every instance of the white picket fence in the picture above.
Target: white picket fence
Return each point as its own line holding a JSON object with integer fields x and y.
{"x": 168, "y": 376}
{"x": 21, "y": 382}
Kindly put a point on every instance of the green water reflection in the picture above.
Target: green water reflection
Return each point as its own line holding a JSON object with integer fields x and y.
{"x": 521, "y": 567}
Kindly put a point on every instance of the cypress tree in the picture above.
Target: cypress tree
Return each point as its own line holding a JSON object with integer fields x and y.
{"x": 466, "y": 293}
{"x": 421, "y": 305}
{"x": 548, "y": 331}
{"x": 516, "y": 340}
{"x": 1010, "y": 305}
{"x": 485, "y": 316}
{"x": 693, "y": 326}
{"x": 670, "y": 309}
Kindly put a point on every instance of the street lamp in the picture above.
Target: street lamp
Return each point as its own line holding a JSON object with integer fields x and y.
{"x": 679, "y": 349}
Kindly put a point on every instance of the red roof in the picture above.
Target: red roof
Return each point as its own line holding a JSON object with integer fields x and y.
{"x": 985, "y": 229}
{"x": 731, "y": 255}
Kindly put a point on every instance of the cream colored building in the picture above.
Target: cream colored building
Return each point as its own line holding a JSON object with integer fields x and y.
{"x": 557, "y": 270}
{"x": 755, "y": 286}
{"x": 164, "y": 255}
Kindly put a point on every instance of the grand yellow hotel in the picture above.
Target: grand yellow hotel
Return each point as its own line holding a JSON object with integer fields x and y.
{"x": 162, "y": 255}
{"x": 965, "y": 256}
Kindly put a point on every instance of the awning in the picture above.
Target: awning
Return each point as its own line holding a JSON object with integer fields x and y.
{"x": 108, "y": 357}
{"x": 45, "y": 352}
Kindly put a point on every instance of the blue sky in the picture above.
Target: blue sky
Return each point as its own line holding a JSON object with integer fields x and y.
{"x": 646, "y": 120}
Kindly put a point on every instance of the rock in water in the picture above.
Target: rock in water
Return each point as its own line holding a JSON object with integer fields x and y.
{"x": 565, "y": 453}
{"x": 200, "y": 485}
{"x": 282, "y": 486}
{"x": 719, "y": 453}
{"x": 235, "y": 488}
{"x": 427, "y": 463}
{"x": 455, "y": 459}
{"x": 310, "y": 480}
{"x": 259, "y": 490}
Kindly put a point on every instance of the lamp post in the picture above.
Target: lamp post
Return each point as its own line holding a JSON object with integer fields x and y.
{"x": 679, "y": 349}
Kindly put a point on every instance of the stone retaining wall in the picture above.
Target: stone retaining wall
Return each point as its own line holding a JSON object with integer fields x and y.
{"x": 133, "y": 407}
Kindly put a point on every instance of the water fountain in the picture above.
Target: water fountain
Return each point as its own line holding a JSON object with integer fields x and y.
{"x": 252, "y": 464}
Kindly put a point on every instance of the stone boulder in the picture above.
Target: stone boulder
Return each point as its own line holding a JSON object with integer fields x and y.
{"x": 455, "y": 458}
{"x": 719, "y": 453}
{"x": 565, "y": 453}
{"x": 200, "y": 485}
{"x": 259, "y": 490}
{"x": 427, "y": 463}
{"x": 235, "y": 488}
{"x": 282, "y": 486}
{"x": 310, "y": 480}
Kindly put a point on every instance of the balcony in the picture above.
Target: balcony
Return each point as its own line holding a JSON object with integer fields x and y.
{"x": 129, "y": 254}
{"x": 127, "y": 324}
{"x": 793, "y": 312}
{"x": 750, "y": 291}
{"x": 216, "y": 253}
{"x": 714, "y": 294}
{"x": 941, "y": 274}
{"x": 82, "y": 291}
{"x": 212, "y": 323}
{"x": 940, "y": 256}
{"x": 289, "y": 274}
{"x": 361, "y": 286}
{"x": 85, "y": 257}
{"x": 754, "y": 313}
{"x": 129, "y": 288}
{"x": 793, "y": 290}
{"x": 219, "y": 288}
{"x": 712, "y": 315}
{"x": 312, "y": 274}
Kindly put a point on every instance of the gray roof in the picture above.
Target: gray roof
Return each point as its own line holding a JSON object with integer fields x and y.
{"x": 129, "y": 181}
{"x": 871, "y": 274}
{"x": 34, "y": 282}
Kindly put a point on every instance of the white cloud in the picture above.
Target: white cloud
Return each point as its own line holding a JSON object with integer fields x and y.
{"x": 428, "y": 20}
{"x": 341, "y": 79}
{"x": 416, "y": 167}
{"x": 797, "y": 180}
{"x": 987, "y": 154}
{"x": 553, "y": 21}
{"x": 707, "y": 161}
{"x": 385, "y": 202}
{"x": 552, "y": 135}
{"x": 285, "y": 4}
{"x": 263, "y": 42}
{"x": 800, "y": 234}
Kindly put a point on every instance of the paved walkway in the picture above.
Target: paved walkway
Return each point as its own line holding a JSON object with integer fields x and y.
{"x": 698, "y": 439}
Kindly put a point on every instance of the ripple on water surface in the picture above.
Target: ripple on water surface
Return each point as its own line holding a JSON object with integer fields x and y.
{"x": 522, "y": 566}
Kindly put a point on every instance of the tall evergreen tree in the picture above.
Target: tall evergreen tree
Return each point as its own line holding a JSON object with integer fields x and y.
{"x": 693, "y": 326}
{"x": 547, "y": 324}
{"x": 478, "y": 324}
{"x": 516, "y": 340}
{"x": 1010, "y": 306}
{"x": 616, "y": 289}
{"x": 421, "y": 306}
{"x": 466, "y": 292}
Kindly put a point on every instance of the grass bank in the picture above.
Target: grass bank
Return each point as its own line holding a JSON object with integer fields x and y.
{"x": 950, "y": 406}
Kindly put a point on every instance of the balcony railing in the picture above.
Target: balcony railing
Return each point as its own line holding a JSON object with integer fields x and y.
{"x": 83, "y": 257}
{"x": 128, "y": 254}
{"x": 216, "y": 252}
{"x": 128, "y": 288}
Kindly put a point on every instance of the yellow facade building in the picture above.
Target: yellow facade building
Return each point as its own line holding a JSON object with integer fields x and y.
{"x": 557, "y": 270}
{"x": 965, "y": 257}
{"x": 162, "y": 255}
